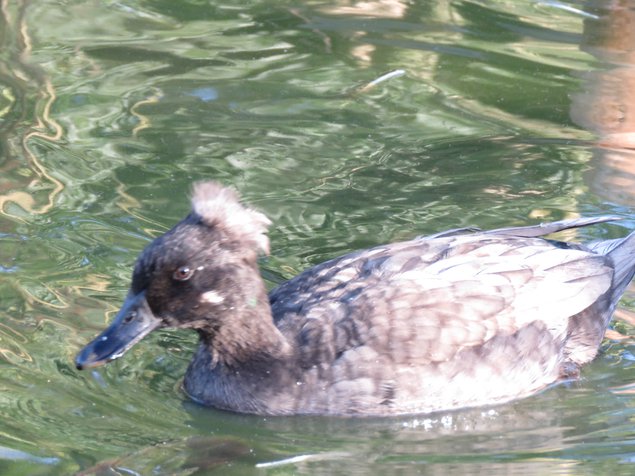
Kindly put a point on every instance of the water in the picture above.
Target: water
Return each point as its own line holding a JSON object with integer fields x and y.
{"x": 508, "y": 113}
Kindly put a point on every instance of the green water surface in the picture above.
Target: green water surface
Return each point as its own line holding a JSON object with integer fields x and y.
{"x": 508, "y": 113}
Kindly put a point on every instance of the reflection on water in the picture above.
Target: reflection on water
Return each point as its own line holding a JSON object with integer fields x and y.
{"x": 508, "y": 112}
{"x": 26, "y": 120}
{"x": 606, "y": 102}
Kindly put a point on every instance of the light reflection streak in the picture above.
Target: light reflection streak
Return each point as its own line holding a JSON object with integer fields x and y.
{"x": 25, "y": 75}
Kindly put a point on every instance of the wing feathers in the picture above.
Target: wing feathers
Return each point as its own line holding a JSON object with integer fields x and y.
{"x": 416, "y": 307}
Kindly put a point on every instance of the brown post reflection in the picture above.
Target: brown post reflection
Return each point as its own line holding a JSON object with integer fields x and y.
{"x": 606, "y": 103}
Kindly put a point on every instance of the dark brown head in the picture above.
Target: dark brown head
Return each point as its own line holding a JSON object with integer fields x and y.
{"x": 202, "y": 274}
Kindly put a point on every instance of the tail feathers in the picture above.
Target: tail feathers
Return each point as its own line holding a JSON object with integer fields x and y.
{"x": 622, "y": 253}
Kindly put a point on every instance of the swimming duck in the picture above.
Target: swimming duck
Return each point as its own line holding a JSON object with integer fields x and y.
{"x": 458, "y": 319}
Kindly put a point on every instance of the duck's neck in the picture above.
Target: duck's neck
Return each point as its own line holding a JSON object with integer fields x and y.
{"x": 246, "y": 389}
{"x": 246, "y": 333}
{"x": 240, "y": 347}
{"x": 235, "y": 365}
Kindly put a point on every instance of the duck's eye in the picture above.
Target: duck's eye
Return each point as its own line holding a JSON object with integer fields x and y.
{"x": 183, "y": 273}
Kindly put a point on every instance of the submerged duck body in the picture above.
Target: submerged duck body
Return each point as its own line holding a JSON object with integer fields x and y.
{"x": 458, "y": 319}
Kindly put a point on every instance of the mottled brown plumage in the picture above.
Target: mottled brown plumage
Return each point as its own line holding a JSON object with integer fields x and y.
{"x": 461, "y": 318}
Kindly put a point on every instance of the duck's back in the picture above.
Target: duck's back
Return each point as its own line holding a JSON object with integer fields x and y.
{"x": 442, "y": 322}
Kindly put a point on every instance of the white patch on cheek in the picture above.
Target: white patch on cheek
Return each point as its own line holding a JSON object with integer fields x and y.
{"x": 211, "y": 297}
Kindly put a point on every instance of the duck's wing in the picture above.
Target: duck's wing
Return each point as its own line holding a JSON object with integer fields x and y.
{"x": 551, "y": 227}
{"x": 423, "y": 301}
{"x": 531, "y": 231}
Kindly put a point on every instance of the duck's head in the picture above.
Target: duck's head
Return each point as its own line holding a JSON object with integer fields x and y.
{"x": 199, "y": 275}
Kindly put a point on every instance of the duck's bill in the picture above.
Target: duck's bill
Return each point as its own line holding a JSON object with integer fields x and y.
{"x": 134, "y": 321}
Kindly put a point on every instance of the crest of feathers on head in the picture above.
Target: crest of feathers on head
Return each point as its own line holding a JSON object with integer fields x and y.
{"x": 220, "y": 206}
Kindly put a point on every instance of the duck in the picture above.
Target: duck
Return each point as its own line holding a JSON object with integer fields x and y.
{"x": 462, "y": 318}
